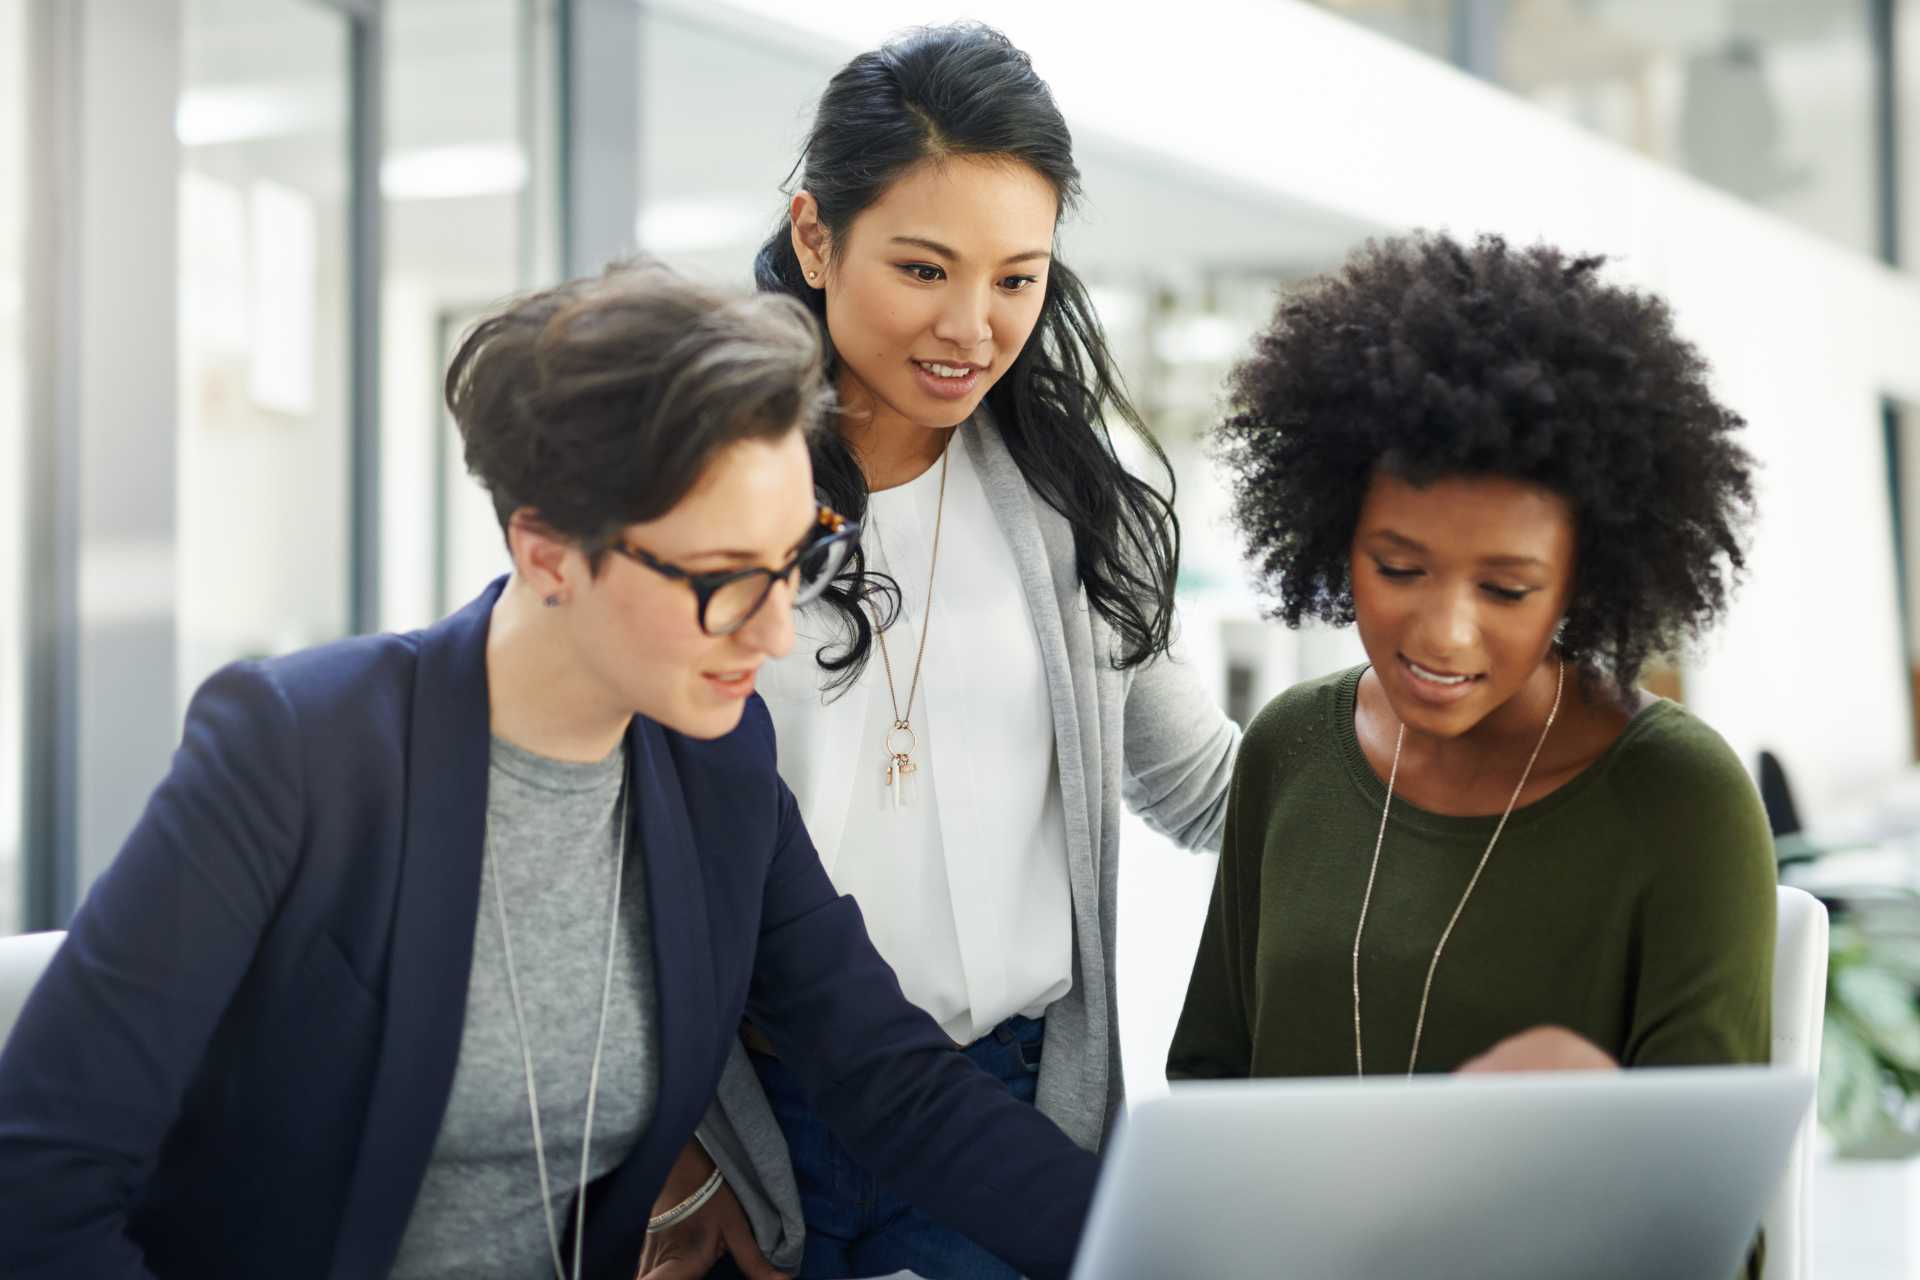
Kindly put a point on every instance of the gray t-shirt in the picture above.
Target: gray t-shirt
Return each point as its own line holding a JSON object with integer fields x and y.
{"x": 552, "y": 828}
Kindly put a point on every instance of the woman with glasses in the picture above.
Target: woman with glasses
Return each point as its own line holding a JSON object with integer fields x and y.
{"x": 969, "y": 707}
{"x": 426, "y": 955}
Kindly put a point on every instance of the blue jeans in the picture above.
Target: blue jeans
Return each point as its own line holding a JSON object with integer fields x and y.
{"x": 854, "y": 1226}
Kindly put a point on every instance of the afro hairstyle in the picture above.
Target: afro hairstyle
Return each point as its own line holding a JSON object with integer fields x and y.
{"x": 1426, "y": 358}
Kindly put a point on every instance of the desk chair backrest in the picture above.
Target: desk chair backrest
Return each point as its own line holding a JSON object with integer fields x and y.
{"x": 23, "y": 958}
{"x": 1799, "y": 1011}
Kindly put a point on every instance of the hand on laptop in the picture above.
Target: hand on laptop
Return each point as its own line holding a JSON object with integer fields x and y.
{"x": 1541, "y": 1049}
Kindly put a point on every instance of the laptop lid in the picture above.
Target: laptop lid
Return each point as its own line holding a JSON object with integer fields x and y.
{"x": 1659, "y": 1174}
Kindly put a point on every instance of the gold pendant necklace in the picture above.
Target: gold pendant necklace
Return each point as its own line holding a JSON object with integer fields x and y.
{"x": 901, "y": 739}
{"x": 1420, "y": 1021}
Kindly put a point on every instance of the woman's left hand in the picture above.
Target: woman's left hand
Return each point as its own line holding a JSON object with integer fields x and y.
{"x": 1541, "y": 1049}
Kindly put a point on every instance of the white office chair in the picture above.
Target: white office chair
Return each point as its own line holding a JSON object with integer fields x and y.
{"x": 1799, "y": 1011}
{"x": 23, "y": 958}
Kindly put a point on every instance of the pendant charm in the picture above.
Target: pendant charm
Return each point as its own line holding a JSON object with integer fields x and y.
{"x": 900, "y": 771}
{"x": 899, "y": 744}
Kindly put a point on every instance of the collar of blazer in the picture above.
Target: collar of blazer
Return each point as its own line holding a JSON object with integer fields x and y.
{"x": 431, "y": 953}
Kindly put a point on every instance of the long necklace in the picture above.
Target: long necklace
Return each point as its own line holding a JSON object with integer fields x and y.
{"x": 901, "y": 740}
{"x": 1420, "y": 1021}
{"x": 599, "y": 1043}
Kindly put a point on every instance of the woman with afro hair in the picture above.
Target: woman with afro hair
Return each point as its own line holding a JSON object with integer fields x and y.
{"x": 1487, "y": 847}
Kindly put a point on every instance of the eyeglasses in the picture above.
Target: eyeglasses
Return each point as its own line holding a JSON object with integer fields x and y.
{"x": 728, "y": 600}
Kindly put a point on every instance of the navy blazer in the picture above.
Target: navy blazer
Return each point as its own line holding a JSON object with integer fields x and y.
{"x": 238, "y": 1063}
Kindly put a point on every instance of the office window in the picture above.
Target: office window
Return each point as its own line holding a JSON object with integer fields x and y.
{"x": 720, "y": 121}
{"x": 13, "y": 453}
{"x": 263, "y": 548}
{"x": 468, "y": 181}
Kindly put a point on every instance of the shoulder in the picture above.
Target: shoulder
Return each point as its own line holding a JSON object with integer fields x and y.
{"x": 347, "y": 706}
{"x": 1024, "y": 513}
{"x": 360, "y": 670}
{"x": 1307, "y": 712}
{"x": 1667, "y": 755}
{"x": 331, "y": 685}
{"x": 1686, "y": 792}
{"x": 327, "y": 727}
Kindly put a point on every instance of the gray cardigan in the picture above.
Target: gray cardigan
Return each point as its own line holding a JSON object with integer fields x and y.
{"x": 1151, "y": 736}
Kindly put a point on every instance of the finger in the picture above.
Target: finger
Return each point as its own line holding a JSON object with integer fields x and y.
{"x": 737, "y": 1235}
{"x": 680, "y": 1268}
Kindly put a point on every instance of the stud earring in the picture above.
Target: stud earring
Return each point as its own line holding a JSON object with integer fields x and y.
{"x": 813, "y": 275}
{"x": 551, "y": 601}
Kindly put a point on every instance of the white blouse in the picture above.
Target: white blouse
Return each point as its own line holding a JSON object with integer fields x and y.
{"x": 964, "y": 889}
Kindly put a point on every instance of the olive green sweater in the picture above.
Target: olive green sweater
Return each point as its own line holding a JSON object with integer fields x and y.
{"x": 1634, "y": 906}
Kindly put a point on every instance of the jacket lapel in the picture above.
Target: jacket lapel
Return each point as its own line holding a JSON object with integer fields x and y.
{"x": 677, "y": 911}
{"x": 430, "y": 954}
{"x": 685, "y": 1005}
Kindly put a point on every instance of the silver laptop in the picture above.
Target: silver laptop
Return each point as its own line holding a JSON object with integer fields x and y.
{"x": 1650, "y": 1174}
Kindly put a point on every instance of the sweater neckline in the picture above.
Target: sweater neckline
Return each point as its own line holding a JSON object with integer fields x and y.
{"x": 1407, "y": 814}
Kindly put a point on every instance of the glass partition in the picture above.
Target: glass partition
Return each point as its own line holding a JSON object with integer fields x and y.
{"x": 468, "y": 183}
{"x": 264, "y": 446}
{"x": 13, "y": 454}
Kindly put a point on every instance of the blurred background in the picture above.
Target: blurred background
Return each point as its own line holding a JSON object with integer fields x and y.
{"x": 239, "y": 238}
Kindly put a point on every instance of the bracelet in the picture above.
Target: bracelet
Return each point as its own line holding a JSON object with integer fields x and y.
{"x": 688, "y": 1207}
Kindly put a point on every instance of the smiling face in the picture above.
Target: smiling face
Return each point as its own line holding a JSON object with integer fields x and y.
{"x": 636, "y": 632}
{"x": 1457, "y": 588}
{"x": 935, "y": 287}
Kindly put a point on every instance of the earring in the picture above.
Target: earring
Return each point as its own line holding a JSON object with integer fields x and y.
{"x": 551, "y": 601}
{"x": 813, "y": 275}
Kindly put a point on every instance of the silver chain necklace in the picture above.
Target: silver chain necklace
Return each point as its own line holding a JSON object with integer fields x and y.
{"x": 599, "y": 1043}
{"x": 1420, "y": 1022}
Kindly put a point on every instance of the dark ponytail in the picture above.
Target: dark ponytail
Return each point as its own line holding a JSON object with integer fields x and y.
{"x": 965, "y": 90}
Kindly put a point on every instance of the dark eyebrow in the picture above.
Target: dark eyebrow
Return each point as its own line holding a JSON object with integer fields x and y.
{"x": 1398, "y": 539}
{"x": 738, "y": 557}
{"x": 934, "y": 246}
{"x": 745, "y": 557}
{"x": 1491, "y": 562}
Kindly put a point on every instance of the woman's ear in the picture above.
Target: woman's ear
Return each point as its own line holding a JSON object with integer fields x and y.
{"x": 543, "y": 558}
{"x": 809, "y": 237}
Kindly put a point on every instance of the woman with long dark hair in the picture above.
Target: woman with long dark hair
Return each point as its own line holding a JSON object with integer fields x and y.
{"x": 974, "y": 700}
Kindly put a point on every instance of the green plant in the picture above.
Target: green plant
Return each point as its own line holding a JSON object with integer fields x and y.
{"x": 1870, "y": 1055}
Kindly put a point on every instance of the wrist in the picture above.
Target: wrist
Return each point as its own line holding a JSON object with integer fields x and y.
{"x": 690, "y": 1171}
{"x": 687, "y": 1207}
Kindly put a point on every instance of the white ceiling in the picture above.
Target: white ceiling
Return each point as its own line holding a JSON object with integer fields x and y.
{"x": 723, "y": 103}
